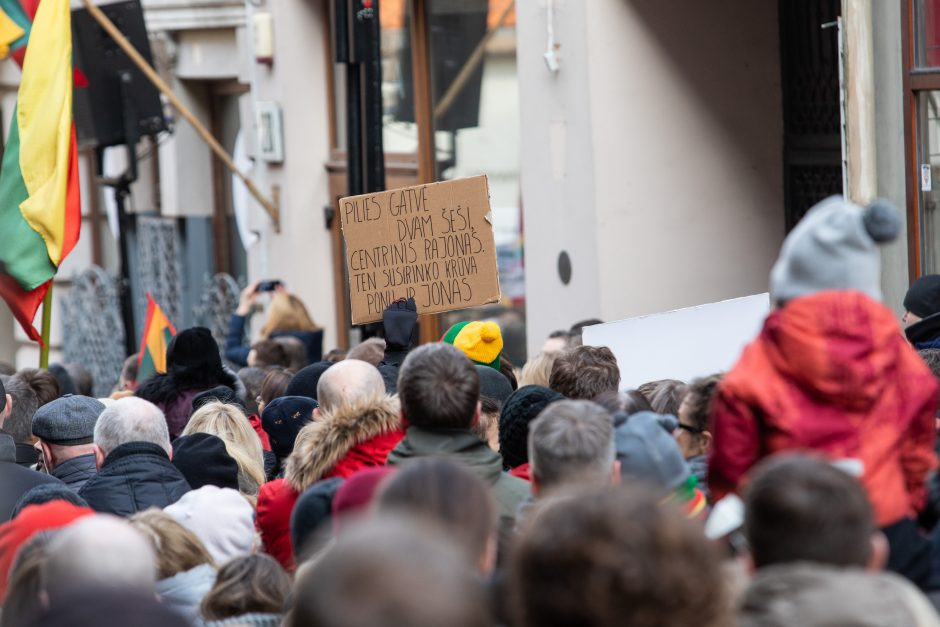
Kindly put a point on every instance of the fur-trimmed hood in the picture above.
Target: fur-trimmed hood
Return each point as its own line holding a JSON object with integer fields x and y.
{"x": 327, "y": 441}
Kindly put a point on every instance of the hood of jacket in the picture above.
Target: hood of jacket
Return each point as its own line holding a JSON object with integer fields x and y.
{"x": 837, "y": 346}
{"x": 461, "y": 445}
{"x": 184, "y": 591}
{"x": 326, "y": 441}
{"x": 819, "y": 595}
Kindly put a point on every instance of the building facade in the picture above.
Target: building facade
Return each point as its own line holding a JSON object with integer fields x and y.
{"x": 642, "y": 155}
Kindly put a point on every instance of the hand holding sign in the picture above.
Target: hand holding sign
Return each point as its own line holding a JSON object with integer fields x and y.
{"x": 433, "y": 243}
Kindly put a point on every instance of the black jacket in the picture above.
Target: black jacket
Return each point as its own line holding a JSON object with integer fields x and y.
{"x": 389, "y": 367}
{"x": 173, "y": 393}
{"x": 76, "y": 472}
{"x": 15, "y": 480}
{"x": 135, "y": 476}
{"x": 925, "y": 333}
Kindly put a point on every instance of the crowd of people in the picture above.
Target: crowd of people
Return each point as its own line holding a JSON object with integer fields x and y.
{"x": 413, "y": 486}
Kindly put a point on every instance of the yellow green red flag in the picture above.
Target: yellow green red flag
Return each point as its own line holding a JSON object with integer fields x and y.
{"x": 40, "y": 211}
{"x": 158, "y": 331}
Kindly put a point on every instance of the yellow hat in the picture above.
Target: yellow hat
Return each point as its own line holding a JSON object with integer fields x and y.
{"x": 482, "y": 342}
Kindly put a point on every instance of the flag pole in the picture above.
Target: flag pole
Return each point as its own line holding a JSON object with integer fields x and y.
{"x": 46, "y": 327}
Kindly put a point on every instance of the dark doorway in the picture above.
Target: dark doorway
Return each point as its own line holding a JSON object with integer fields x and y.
{"x": 812, "y": 127}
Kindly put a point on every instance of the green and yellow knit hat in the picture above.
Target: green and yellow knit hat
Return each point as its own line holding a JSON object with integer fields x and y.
{"x": 482, "y": 342}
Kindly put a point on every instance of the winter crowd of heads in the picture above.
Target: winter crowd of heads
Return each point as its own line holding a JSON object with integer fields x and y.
{"x": 413, "y": 486}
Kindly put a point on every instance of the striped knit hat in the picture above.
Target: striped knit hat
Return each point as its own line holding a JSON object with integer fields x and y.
{"x": 482, "y": 342}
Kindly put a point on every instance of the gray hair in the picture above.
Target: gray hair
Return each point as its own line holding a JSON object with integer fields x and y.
{"x": 349, "y": 381}
{"x": 131, "y": 419}
{"x": 571, "y": 441}
{"x": 100, "y": 550}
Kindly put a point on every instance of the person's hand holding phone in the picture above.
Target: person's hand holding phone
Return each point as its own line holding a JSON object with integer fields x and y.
{"x": 247, "y": 299}
{"x": 275, "y": 285}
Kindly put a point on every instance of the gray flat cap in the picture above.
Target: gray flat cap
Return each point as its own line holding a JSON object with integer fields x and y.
{"x": 68, "y": 420}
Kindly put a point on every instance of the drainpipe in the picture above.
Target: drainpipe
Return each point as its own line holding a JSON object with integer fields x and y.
{"x": 861, "y": 155}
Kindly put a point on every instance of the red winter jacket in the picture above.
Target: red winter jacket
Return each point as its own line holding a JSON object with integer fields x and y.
{"x": 337, "y": 444}
{"x": 831, "y": 372}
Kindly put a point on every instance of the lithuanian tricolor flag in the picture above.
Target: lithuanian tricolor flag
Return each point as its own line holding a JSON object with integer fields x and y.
{"x": 158, "y": 331}
{"x": 40, "y": 211}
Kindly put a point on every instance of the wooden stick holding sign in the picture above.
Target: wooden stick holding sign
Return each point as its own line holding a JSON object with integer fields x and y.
{"x": 433, "y": 243}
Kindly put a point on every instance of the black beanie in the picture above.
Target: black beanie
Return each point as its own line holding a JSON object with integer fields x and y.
{"x": 203, "y": 460}
{"x": 305, "y": 381}
{"x": 521, "y": 408}
{"x": 283, "y": 418}
{"x": 312, "y": 511}
{"x": 66, "y": 385}
{"x": 494, "y": 384}
{"x": 923, "y": 298}
{"x": 221, "y": 393}
{"x": 195, "y": 350}
{"x": 46, "y": 492}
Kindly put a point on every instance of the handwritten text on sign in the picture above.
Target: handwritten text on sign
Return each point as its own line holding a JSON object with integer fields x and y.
{"x": 433, "y": 243}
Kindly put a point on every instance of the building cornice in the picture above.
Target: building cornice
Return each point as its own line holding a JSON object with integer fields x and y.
{"x": 176, "y": 15}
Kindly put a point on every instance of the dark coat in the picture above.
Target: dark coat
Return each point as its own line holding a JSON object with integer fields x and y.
{"x": 26, "y": 455}
{"x": 925, "y": 333}
{"x": 174, "y": 395}
{"x": 465, "y": 448}
{"x": 15, "y": 480}
{"x": 135, "y": 476}
{"x": 389, "y": 367}
{"x": 76, "y": 472}
{"x": 237, "y": 353}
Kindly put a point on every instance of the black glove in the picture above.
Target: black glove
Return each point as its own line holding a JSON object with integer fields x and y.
{"x": 401, "y": 324}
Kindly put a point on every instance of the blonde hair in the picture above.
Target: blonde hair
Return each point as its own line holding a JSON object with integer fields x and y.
{"x": 228, "y": 423}
{"x": 287, "y": 313}
{"x": 538, "y": 370}
{"x": 177, "y": 549}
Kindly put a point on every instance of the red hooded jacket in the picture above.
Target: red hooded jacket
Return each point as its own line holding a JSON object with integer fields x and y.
{"x": 831, "y": 372}
{"x": 338, "y": 443}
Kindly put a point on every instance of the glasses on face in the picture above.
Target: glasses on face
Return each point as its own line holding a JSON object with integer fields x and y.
{"x": 689, "y": 428}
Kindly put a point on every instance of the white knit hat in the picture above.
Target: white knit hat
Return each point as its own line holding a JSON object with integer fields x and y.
{"x": 834, "y": 247}
{"x": 220, "y": 517}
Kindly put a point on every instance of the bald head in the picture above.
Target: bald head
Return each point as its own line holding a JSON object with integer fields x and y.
{"x": 349, "y": 381}
{"x": 102, "y": 551}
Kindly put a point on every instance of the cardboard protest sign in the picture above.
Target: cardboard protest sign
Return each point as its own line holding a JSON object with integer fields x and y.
{"x": 433, "y": 243}
{"x": 681, "y": 344}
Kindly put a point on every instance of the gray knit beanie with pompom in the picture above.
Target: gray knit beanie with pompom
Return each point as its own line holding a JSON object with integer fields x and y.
{"x": 834, "y": 247}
